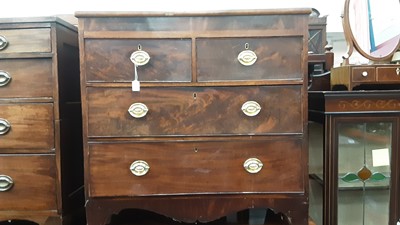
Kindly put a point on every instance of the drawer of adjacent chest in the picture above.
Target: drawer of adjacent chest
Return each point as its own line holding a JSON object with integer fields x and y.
{"x": 221, "y": 59}
{"x": 25, "y": 40}
{"x": 26, "y": 126}
{"x": 26, "y": 78}
{"x": 171, "y": 168}
{"x": 117, "y": 112}
{"x": 27, "y": 182}
{"x": 109, "y": 60}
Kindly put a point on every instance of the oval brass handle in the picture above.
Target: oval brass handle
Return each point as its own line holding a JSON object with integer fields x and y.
{"x": 140, "y": 57}
{"x": 5, "y": 126}
{"x": 253, "y": 165}
{"x": 5, "y": 78}
{"x": 3, "y": 42}
{"x": 251, "y": 108}
{"x": 138, "y": 110}
{"x": 247, "y": 57}
{"x": 6, "y": 183}
{"x": 140, "y": 168}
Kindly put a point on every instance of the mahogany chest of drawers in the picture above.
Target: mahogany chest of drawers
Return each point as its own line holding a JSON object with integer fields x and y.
{"x": 216, "y": 125}
{"x": 40, "y": 121}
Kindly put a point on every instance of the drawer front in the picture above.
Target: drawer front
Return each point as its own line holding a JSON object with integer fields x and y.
{"x": 388, "y": 74}
{"x": 363, "y": 74}
{"x": 194, "y": 111}
{"x": 26, "y": 126}
{"x": 108, "y": 60}
{"x": 33, "y": 178}
{"x": 277, "y": 58}
{"x": 26, "y": 78}
{"x": 195, "y": 168}
{"x": 25, "y": 40}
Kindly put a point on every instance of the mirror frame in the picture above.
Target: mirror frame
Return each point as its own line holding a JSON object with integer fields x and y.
{"x": 352, "y": 42}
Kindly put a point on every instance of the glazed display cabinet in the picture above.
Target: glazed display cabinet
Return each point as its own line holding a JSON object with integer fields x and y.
{"x": 354, "y": 157}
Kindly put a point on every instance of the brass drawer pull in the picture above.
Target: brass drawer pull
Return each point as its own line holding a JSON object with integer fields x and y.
{"x": 5, "y": 126}
{"x": 139, "y": 58}
{"x": 398, "y": 71}
{"x": 138, "y": 110}
{"x": 5, "y": 78}
{"x": 3, "y": 42}
{"x": 251, "y": 108}
{"x": 6, "y": 183}
{"x": 140, "y": 168}
{"x": 247, "y": 57}
{"x": 253, "y": 165}
{"x": 364, "y": 73}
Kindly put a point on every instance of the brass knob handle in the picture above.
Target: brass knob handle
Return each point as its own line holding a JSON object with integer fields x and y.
{"x": 247, "y": 57}
{"x": 253, "y": 165}
{"x": 138, "y": 110}
{"x": 6, "y": 183}
{"x": 3, "y": 42}
{"x": 5, "y": 126}
{"x": 140, "y": 168}
{"x": 251, "y": 108}
{"x": 5, "y": 78}
{"x": 364, "y": 74}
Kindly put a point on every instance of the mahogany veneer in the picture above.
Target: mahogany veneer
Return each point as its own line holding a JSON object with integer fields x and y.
{"x": 195, "y": 137}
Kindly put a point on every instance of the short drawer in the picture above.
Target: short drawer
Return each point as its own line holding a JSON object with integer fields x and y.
{"x": 25, "y": 40}
{"x": 363, "y": 74}
{"x": 27, "y": 182}
{"x": 177, "y": 168}
{"x": 26, "y": 78}
{"x": 277, "y": 58}
{"x": 388, "y": 74}
{"x": 108, "y": 60}
{"x": 194, "y": 111}
{"x": 26, "y": 126}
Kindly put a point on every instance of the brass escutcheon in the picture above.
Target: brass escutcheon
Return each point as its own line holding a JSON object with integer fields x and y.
{"x": 139, "y": 168}
{"x": 3, "y": 42}
{"x": 6, "y": 183}
{"x": 251, "y": 108}
{"x": 5, "y": 78}
{"x": 247, "y": 57}
{"x": 140, "y": 57}
{"x": 138, "y": 110}
{"x": 253, "y": 165}
{"x": 5, "y": 126}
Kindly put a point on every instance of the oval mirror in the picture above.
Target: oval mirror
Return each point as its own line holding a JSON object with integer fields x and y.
{"x": 372, "y": 27}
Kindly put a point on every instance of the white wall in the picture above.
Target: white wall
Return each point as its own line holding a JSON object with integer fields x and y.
{"x": 28, "y": 8}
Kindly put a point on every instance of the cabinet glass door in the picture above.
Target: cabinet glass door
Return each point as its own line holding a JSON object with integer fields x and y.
{"x": 364, "y": 174}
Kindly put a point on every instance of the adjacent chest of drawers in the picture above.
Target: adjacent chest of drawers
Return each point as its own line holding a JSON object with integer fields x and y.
{"x": 217, "y": 125}
{"x": 40, "y": 121}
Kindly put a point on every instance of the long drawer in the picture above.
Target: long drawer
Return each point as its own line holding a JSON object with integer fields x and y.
{"x": 27, "y": 182}
{"x": 177, "y": 168}
{"x": 26, "y": 126}
{"x": 195, "y": 111}
{"x": 26, "y": 78}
